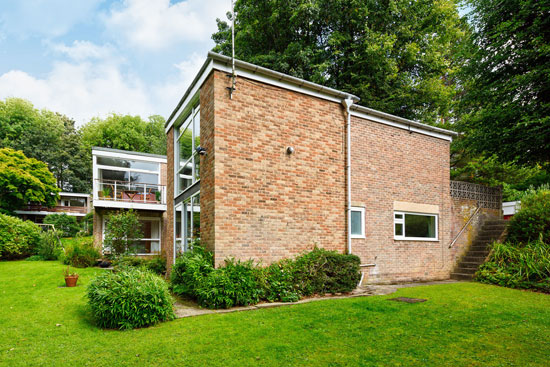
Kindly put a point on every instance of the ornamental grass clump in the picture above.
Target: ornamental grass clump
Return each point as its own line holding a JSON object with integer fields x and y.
{"x": 130, "y": 298}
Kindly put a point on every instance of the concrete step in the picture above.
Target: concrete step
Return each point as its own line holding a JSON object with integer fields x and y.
{"x": 490, "y": 232}
{"x": 494, "y": 222}
{"x": 470, "y": 264}
{"x": 482, "y": 253}
{"x": 461, "y": 276}
{"x": 493, "y": 227}
{"x": 462, "y": 270}
{"x": 471, "y": 258}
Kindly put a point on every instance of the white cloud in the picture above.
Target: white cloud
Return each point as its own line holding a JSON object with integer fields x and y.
{"x": 85, "y": 50}
{"x": 158, "y": 24}
{"x": 80, "y": 91}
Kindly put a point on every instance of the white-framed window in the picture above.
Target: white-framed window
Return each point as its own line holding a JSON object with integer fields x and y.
{"x": 186, "y": 158}
{"x": 415, "y": 226}
{"x": 357, "y": 222}
{"x": 151, "y": 230}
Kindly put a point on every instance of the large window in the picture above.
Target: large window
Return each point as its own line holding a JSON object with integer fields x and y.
{"x": 187, "y": 223}
{"x": 149, "y": 244}
{"x": 186, "y": 158}
{"x": 357, "y": 222}
{"x": 415, "y": 226}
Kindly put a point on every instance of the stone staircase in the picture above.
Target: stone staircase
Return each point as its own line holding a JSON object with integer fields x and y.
{"x": 478, "y": 251}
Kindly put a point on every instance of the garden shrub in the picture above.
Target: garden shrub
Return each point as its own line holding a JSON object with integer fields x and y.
{"x": 156, "y": 263}
{"x": 18, "y": 238}
{"x": 190, "y": 269}
{"x": 231, "y": 285}
{"x": 510, "y": 265}
{"x": 123, "y": 232}
{"x": 65, "y": 224}
{"x": 81, "y": 253}
{"x": 130, "y": 298}
{"x": 243, "y": 283}
{"x": 276, "y": 282}
{"x": 320, "y": 271}
{"x": 49, "y": 247}
{"x": 532, "y": 221}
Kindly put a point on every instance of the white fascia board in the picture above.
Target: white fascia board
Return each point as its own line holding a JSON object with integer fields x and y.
{"x": 401, "y": 125}
{"x": 128, "y": 205}
{"x": 266, "y": 79}
{"x": 47, "y": 213}
{"x": 76, "y": 195}
{"x": 138, "y": 157}
{"x": 189, "y": 95}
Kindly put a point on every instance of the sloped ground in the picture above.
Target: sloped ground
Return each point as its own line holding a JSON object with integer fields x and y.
{"x": 460, "y": 324}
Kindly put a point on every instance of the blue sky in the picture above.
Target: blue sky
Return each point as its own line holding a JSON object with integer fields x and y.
{"x": 87, "y": 58}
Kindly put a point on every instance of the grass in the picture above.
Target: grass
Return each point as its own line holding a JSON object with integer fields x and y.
{"x": 462, "y": 324}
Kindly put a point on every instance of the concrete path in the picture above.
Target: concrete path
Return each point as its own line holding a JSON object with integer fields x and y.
{"x": 189, "y": 308}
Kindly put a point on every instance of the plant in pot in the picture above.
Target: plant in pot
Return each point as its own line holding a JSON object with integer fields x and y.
{"x": 107, "y": 191}
{"x": 157, "y": 196}
{"x": 70, "y": 277}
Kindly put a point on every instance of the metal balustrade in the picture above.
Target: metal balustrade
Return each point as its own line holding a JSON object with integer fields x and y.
{"x": 133, "y": 192}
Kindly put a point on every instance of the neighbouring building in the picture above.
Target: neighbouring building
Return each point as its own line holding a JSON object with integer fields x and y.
{"x": 74, "y": 204}
{"x": 279, "y": 165}
{"x": 125, "y": 180}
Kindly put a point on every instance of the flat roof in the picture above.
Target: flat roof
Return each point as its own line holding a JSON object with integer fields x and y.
{"x": 222, "y": 62}
{"x": 120, "y": 151}
{"x": 75, "y": 194}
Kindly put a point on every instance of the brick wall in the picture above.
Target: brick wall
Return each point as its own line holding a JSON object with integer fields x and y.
{"x": 266, "y": 204}
{"x": 390, "y": 164}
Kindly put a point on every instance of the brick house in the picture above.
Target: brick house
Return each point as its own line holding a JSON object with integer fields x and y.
{"x": 262, "y": 172}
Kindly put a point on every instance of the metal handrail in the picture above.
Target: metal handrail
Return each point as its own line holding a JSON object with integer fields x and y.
{"x": 128, "y": 182}
{"x": 464, "y": 226}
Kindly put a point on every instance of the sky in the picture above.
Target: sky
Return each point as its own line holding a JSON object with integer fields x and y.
{"x": 90, "y": 58}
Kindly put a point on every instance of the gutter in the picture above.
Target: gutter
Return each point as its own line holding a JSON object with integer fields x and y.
{"x": 347, "y": 104}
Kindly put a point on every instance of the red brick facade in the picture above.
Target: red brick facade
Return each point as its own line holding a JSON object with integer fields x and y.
{"x": 259, "y": 202}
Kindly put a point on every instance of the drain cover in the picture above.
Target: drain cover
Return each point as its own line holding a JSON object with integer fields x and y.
{"x": 408, "y": 300}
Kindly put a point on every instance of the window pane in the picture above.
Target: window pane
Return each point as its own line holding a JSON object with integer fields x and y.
{"x": 422, "y": 226}
{"x": 77, "y": 202}
{"x": 148, "y": 178}
{"x": 127, "y": 163}
{"x": 399, "y": 216}
{"x": 110, "y": 175}
{"x": 356, "y": 225}
{"x": 185, "y": 144}
{"x": 398, "y": 229}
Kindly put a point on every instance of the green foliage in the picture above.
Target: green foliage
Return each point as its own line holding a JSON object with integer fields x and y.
{"x": 321, "y": 271}
{"x": 67, "y": 225}
{"x": 48, "y": 137}
{"x": 532, "y": 221}
{"x": 131, "y": 298}
{"x": 156, "y": 263}
{"x": 80, "y": 253}
{"x": 49, "y": 247}
{"x": 122, "y": 232}
{"x": 242, "y": 283}
{"x": 518, "y": 266}
{"x": 400, "y": 57}
{"x": 189, "y": 271}
{"x": 88, "y": 224}
{"x": 18, "y": 238}
{"x": 507, "y": 101}
{"x": 24, "y": 180}
{"x": 231, "y": 285}
{"x": 276, "y": 282}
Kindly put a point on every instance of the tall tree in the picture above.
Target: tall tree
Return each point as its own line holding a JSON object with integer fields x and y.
{"x": 398, "y": 56}
{"x": 47, "y": 136}
{"x": 507, "y": 89}
{"x": 24, "y": 180}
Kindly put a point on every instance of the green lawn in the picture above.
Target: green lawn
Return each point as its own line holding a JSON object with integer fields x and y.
{"x": 463, "y": 324}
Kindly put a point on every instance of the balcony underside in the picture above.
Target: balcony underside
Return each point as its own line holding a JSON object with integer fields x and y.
{"x": 129, "y": 205}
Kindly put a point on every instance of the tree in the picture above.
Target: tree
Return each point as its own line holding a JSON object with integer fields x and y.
{"x": 47, "y": 136}
{"x": 507, "y": 90}
{"x": 67, "y": 225}
{"x": 398, "y": 56}
{"x": 123, "y": 232}
{"x": 25, "y": 180}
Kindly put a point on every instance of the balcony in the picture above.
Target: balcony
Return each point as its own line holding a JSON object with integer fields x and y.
{"x": 131, "y": 195}
{"x": 71, "y": 210}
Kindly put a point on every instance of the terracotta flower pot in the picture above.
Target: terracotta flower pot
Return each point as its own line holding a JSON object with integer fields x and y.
{"x": 71, "y": 281}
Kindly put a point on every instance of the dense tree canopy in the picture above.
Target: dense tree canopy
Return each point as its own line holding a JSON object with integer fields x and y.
{"x": 24, "y": 180}
{"x": 507, "y": 93}
{"x": 398, "y": 56}
{"x": 46, "y": 136}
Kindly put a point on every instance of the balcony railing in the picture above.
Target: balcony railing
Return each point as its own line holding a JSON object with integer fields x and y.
{"x": 131, "y": 192}
{"x": 56, "y": 209}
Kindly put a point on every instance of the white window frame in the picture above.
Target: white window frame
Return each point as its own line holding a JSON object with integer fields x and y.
{"x": 152, "y": 219}
{"x": 402, "y": 222}
{"x": 191, "y": 121}
{"x": 362, "y": 211}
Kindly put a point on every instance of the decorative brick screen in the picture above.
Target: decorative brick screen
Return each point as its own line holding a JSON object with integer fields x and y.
{"x": 487, "y": 197}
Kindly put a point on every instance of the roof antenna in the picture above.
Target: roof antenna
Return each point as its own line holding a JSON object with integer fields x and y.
{"x": 233, "y": 72}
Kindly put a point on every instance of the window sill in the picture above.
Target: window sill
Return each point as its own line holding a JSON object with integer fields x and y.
{"x": 358, "y": 237}
{"x": 416, "y": 239}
